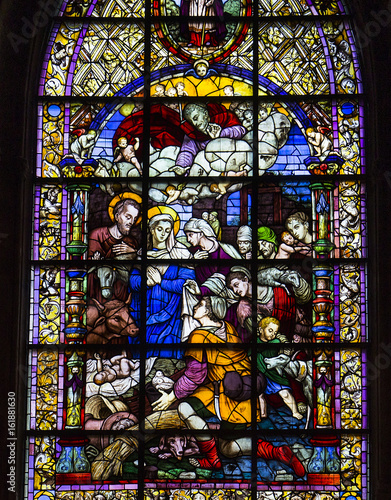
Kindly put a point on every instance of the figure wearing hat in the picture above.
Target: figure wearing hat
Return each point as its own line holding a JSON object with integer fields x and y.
{"x": 267, "y": 243}
{"x": 215, "y": 224}
{"x": 244, "y": 241}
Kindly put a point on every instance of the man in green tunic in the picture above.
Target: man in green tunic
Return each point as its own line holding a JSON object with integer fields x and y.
{"x": 277, "y": 382}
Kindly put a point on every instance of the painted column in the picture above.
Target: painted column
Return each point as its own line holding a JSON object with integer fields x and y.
{"x": 72, "y": 458}
{"x": 325, "y": 459}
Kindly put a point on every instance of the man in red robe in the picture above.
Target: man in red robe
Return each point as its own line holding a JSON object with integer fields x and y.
{"x": 203, "y": 122}
{"x": 115, "y": 242}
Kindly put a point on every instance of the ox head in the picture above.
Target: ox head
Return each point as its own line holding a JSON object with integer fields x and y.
{"x": 278, "y": 362}
{"x": 115, "y": 316}
{"x": 106, "y": 276}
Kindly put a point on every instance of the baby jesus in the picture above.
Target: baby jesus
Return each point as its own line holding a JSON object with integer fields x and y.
{"x": 290, "y": 245}
{"x": 120, "y": 367}
{"x": 127, "y": 152}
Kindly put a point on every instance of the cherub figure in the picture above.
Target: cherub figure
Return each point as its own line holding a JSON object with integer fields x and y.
{"x": 262, "y": 113}
{"x": 159, "y": 90}
{"x": 223, "y": 188}
{"x": 187, "y": 194}
{"x": 348, "y": 85}
{"x": 82, "y": 145}
{"x": 173, "y": 194}
{"x": 248, "y": 117}
{"x": 127, "y": 152}
{"x": 120, "y": 367}
{"x": 220, "y": 188}
{"x": 290, "y": 245}
{"x": 319, "y": 140}
{"x": 171, "y": 92}
{"x": 180, "y": 88}
{"x": 201, "y": 70}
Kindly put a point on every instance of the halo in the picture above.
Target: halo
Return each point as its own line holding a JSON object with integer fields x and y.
{"x": 120, "y": 197}
{"x": 200, "y": 61}
{"x": 161, "y": 209}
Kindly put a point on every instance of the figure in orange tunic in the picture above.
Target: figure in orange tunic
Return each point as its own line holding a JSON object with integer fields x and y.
{"x": 211, "y": 363}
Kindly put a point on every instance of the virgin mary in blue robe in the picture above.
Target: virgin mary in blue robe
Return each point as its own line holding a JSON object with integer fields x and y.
{"x": 165, "y": 288}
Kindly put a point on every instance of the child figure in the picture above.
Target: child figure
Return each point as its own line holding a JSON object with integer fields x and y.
{"x": 188, "y": 195}
{"x": 290, "y": 245}
{"x": 171, "y": 92}
{"x": 180, "y": 88}
{"x": 120, "y": 367}
{"x": 277, "y": 382}
{"x": 127, "y": 152}
{"x": 320, "y": 142}
{"x": 159, "y": 90}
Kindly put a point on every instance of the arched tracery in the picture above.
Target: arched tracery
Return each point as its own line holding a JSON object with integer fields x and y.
{"x": 198, "y": 275}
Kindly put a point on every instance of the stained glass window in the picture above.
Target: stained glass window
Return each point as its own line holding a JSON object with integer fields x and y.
{"x": 198, "y": 323}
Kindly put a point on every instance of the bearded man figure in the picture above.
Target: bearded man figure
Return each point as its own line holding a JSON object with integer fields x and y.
{"x": 115, "y": 242}
{"x": 205, "y": 122}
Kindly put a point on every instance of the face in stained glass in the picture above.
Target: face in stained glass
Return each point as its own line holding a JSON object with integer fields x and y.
{"x": 198, "y": 284}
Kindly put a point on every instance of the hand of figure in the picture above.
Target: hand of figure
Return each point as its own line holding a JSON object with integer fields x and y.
{"x": 192, "y": 286}
{"x": 213, "y": 129}
{"x": 164, "y": 402}
{"x": 157, "y": 254}
{"x": 122, "y": 248}
{"x": 154, "y": 275}
{"x": 303, "y": 247}
{"x": 150, "y": 282}
{"x": 96, "y": 256}
{"x": 201, "y": 254}
{"x": 178, "y": 169}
